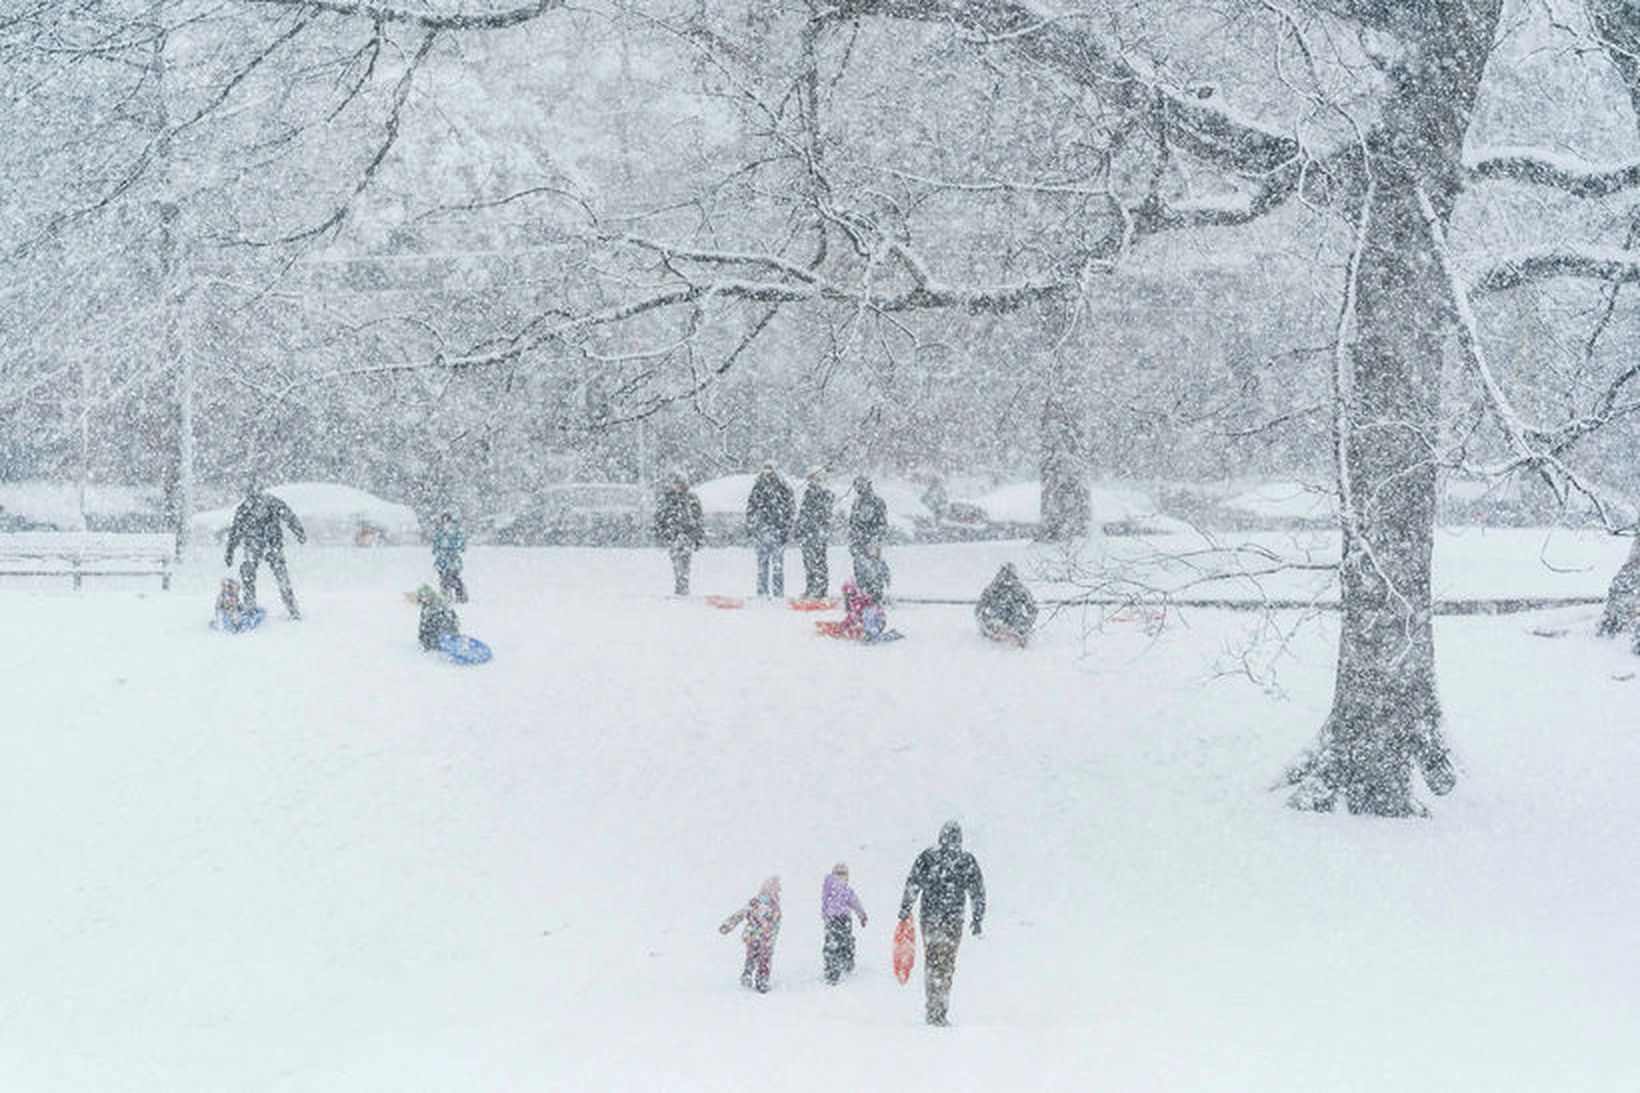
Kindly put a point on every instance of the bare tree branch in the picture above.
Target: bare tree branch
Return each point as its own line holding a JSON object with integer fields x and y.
{"x": 427, "y": 20}
{"x": 1079, "y": 54}
{"x": 1524, "y": 165}
{"x": 1615, "y": 266}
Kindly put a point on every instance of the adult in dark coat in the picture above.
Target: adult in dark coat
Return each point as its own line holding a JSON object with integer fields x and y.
{"x": 681, "y": 528}
{"x": 258, "y": 526}
{"x": 867, "y": 531}
{"x": 769, "y": 511}
{"x": 1006, "y": 610}
{"x": 947, "y": 877}
{"x": 812, "y": 530}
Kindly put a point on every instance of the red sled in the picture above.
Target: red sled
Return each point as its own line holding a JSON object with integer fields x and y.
{"x": 905, "y": 950}
{"x": 813, "y": 605}
{"x": 727, "y": 603}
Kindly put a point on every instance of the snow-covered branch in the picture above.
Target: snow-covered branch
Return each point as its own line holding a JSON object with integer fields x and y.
{"x": 429, "y": 20}
{"x": 1575, "y": 177}
{"x": 1542, "y": 264}
{"x": 1078, "y": 53}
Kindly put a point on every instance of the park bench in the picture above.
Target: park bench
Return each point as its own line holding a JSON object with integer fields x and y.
{"x": 78, "y": 555}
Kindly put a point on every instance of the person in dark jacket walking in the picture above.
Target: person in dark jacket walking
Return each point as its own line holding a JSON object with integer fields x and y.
{"x": 681, "y": 528}
{"x": 1006, "y": 610}
{"x": 946, "y": 876}
{"x": 769, "y": 512}
{"x": 449, "y": 544}
{"x": 867, "y": 531}
{"x": 258, "y": 526}
{"x": 812, "y": 530}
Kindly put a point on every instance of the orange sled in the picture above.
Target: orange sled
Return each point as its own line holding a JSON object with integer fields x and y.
{"x": 727, "y": 603}
{"x": 905, "y": 950}
{"x": 812, "y": 605}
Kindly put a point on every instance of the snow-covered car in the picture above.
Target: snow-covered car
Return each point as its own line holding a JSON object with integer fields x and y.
{"x": 581, "y": 514}
{"x": 332, "y": 515}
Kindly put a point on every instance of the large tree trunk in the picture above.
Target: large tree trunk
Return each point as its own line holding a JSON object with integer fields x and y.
{"x": 1617, "y": 26}
{"x": 1386, "y": 714}
{"x": 1067, "y": 505}
{"x": 1623, "y": 599}
{"x": 1066, "y": 501}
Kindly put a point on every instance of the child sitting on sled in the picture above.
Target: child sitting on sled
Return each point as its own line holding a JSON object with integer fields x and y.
{"x": 231, "y": 614}
{"x": 437, "y": 617}
{"x": 865, "y": 620}
{"x": 762, "y": 917}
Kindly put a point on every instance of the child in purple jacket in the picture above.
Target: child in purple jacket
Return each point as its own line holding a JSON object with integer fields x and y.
{"x": 762, "y": 918}
{"x": 836, "y": 900}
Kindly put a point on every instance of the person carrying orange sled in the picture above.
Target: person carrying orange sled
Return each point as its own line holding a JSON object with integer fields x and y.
{"x": 947, "y": 877}
{"x": 762, "y": 918}
{"x": 837, "y": 899}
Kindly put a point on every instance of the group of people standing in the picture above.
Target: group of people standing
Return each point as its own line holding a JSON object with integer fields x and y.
{"x": 945, "y": 878}
{"x": 774, "y": 519}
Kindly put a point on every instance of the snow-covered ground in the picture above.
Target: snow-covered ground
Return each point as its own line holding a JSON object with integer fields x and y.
{"x": 314, "y": 858}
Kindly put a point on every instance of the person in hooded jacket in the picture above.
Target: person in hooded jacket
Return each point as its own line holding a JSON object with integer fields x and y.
{"x": 837, "y": 899}
{"x": 681, "y": 528}
{"x": 449, "y": 544}
{"x": 1006, "y": 610}
{"x": 769, "y": 510}
{"x": 867, "y": 531}
{"x": 258, "y": 525}
{"x": 946, "y": 877}
{"x": 812, "y": 530}
{"x": 762, "y": 918}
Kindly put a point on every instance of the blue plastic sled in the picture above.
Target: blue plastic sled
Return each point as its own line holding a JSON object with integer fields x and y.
{"x": 462, "y": 649}
{"x": 247, "y": 621}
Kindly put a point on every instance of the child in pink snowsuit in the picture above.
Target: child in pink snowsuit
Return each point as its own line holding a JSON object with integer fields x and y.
{"x": 837, "y": 899}
{"x": 864, "y": 619}
{"x": 762, "y": 918}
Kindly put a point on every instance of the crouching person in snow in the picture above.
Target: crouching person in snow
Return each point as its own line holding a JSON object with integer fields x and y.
{"x": 837, "y": 899}
{"x": 947, "y": 876}
{"x": 438, "y": 618}
{"x": 1006, "y": 610}
{"x": 762, "y": 918}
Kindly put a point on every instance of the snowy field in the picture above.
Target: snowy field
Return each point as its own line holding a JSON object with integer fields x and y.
{"x": 314, "y": 858}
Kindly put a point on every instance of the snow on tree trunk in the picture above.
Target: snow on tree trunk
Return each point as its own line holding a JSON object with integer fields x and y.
{"x": 1386, "y": 713}
{"x": 1617, "y": 27}
{"x": 1622, "y": 612}
{"x": 1066, "y": 501}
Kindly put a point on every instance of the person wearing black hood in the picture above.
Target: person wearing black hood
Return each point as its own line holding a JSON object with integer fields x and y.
{"x": 1006, "y": 610}
{"x": 946, "y": 876}
{"x": 257, "y": 525}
